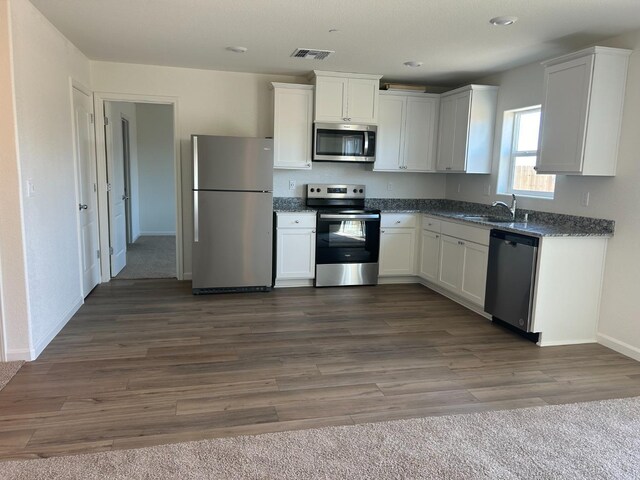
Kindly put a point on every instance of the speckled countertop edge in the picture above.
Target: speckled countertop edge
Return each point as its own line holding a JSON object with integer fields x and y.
{"x": 541, "y": 224}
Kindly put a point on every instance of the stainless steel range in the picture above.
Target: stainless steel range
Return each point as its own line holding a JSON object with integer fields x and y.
{"x": 347, "y": 235}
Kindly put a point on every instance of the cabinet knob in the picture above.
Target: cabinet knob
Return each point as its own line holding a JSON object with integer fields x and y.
{"x": 308, "y": 164}
{"x": 83, "y": 206}
{"x": 313, "y": 231}
{"x": 381, "y": 231}
{"x": 397, "y": 221}
{"x": 297, "y": 221}
{"x": 448, "y": 168}
{"x": 535, "y": 168}
{"x": 437, "y": 236}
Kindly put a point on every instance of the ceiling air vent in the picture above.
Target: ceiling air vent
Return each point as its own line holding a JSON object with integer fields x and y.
{"x": 311, "y": 53}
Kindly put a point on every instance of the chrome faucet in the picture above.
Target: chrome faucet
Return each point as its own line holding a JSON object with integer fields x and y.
{"x": 512, "y": 208}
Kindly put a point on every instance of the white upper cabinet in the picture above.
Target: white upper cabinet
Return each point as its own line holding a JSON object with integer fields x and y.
{"x": 582, "y": 112}
{"x": 292, "y": 125}
{"x": 465, "y": 134}
{"x": 407, "y": 132}
{"x": 346, "y": 97}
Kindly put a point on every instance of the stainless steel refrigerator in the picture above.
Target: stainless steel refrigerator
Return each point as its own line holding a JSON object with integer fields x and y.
{"x": 232, "y": 214}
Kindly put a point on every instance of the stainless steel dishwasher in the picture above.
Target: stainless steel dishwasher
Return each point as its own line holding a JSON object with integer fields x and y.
{"x": 511, "y": 279}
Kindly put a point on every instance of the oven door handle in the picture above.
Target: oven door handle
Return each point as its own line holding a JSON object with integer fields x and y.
{"x": 338, "y": 216}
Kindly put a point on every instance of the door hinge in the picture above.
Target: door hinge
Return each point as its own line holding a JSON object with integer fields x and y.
{"x": 108, "y": 187}
{"x": 91, "y": 118}
{"x": 110, "y": 250}
{"x": 106, "y": 120}
{"x": 97, "y": 253}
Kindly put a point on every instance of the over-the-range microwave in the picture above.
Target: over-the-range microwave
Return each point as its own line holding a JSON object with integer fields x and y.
{"x": 337, "y": 142}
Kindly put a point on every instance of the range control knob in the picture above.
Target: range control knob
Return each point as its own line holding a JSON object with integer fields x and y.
{"x": 319, "y": 190}
{"x": 361, "y": 190}
{"x": 355, "y": 190}
{"x": 313, "y": 190}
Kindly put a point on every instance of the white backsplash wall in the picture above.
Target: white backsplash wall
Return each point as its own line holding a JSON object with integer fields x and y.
{"x": 379, "y": 184}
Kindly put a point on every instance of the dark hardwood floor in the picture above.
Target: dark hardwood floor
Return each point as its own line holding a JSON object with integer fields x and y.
{"x": 144, "y": 362}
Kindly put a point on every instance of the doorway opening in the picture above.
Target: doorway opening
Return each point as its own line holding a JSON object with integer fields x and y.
{"x": 142, "y": 200}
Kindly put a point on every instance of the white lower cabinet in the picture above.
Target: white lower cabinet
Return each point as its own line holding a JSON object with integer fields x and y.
{"x": 474, "y": 272}
{"x": 397, "y": 244}
{"x": 455, "y": 256}
{"x": 295, "y": 248}
{"x": 430, "y": 255}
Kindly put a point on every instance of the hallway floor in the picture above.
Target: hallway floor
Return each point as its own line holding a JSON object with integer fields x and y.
{"x": 150, "y": 257}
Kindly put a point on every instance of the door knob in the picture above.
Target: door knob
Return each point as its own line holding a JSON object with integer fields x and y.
{"x": 125, "y": 197}
{"x": 83, "y": 206}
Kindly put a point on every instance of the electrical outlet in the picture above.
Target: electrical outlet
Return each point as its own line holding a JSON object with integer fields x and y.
{"x": 584, "y": 200}
{"x": 389, "y": 187}
{"x": 458, "y": 188}
{"x": 292, "y": 184}
{"x": 487, "y": 189}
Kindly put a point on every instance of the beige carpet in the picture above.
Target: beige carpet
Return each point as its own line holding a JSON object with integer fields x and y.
{"x": 597, "y": 440}
{"x": 151, "y": 257}
{"x": 8, "y": 371}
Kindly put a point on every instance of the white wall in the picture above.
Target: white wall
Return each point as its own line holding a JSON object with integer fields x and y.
{"x": 209, "y": 102}
{"x": 379, "y": 184}
{"x": 44, "y": 63}
{"x": 14, "y": 300}
{"x": 616, "y": 198}
{"x": 156, "y": 178}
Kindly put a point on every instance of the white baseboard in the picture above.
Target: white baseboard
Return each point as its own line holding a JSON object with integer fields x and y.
{"x": 398, "y": 279}
{"x": 157, "y": 234}
{"x": 554, "y": 343}
{"x": 20, "y": 354}
{"x": 292, "y": 283}
{"x": 618, "y": 346}
{"x": 46, "y": 340}
{"x": 452, "y": 296}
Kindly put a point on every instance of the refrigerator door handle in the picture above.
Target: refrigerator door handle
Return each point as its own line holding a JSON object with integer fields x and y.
{"x": 195, "y": 162}
{"x": 196, "y": 228}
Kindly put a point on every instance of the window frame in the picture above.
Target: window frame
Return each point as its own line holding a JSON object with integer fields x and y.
{"x": 514, "y": 153}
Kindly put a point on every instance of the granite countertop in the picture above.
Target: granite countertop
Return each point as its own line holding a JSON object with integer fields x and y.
{"x": 539, "y": 224}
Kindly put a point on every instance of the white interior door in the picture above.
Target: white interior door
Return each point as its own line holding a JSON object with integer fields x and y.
{"x": 87, "y": 190}
{"x": 117, "y": 194}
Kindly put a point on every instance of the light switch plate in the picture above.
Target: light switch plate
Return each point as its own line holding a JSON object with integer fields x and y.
{"x": 584, "y": 200}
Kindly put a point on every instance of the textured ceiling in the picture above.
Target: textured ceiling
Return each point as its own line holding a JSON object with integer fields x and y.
{"x": 452, "y": 37}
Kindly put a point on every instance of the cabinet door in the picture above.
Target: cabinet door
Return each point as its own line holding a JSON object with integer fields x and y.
{"x": 296, "y": 253}
{"x": 331, "y": 99}
{"x": 362, "y": 101}
{"x": 451, "y": 256}
{"x": 390, "y": 127}
{"x": 420, "y": 134}
{"x": 461, "y": 131}
{"x": 474, "y": 272}
{"x": 446, "y": 133}
{"x": 397, "y": 251}
{"x": 292, "y": 128}
{"x": 429, "y": 255}
{"x": 564, "y": 114}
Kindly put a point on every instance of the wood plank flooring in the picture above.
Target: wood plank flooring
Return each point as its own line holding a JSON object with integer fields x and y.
{"x": 144, "y": 362}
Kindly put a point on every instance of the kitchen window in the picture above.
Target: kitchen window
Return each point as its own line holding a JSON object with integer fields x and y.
{"x": 521, "y": 129}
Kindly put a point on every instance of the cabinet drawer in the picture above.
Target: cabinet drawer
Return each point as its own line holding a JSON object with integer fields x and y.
{"x": 296, "y": 220}
{"x": 431, "y": 224}
{"x": 398, "y": 220}
{"x": 465, "y": 232}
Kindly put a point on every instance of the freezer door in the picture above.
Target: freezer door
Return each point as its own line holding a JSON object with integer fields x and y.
{"x": 232, "y": 240}
{"x": 232, "y": 163}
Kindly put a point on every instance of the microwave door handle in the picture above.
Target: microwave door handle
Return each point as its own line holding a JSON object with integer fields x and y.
{"x": 366, "y": 144}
